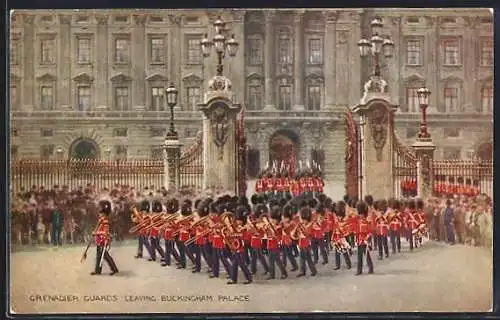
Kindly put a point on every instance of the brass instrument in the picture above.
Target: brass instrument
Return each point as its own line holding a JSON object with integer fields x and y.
{"x": 178, "y": 224}
{"x": 228, "y": 233}
{"x": 136, "y": 216}
{"x": 196, "y": 238}
{"x": 298, "y": 231}
{"x": 269, "y": 225}
{"x": 288, "y": 230}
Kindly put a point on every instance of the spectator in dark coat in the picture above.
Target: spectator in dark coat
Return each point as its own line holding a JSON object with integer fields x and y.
{"x": 57, "y": 224}
{"x": 449, "y": 219}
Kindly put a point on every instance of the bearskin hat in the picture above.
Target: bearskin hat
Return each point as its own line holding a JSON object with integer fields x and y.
{"x": 346, "y": 198}
{"x": 332, "y": 207}
{"x": 340, "y": 209}
{"x": 221, "y": 208}
{"x": 241, "y": 217}
{"x": 242, "y": 210}
{"x": 328, "y": 202}
{"x": 264, "y": 198}
{"x": 105, "y": 207}
{"x": 203, "y": 211}
{"x": 320, "y": 209}
{"x": 145, "y": 206}
{"x": 312, "y": 203}
{"x": 276, "y": 213}
{"x": 411, "y": 204}
{"x": 242, "y": 200}
{"x": 254, "y": 199}
{"x": 322, "y": 198}
{"x": 369, "y": 200}
{"x": 283, "y": 202}
{"x": 172, "y": 205}
{"x": 273, "y": 202}
{"x": 303, "y": 203}
{"x": 261, "y": 209}
{"x": 288, "y": 211}
{"x": 306, "y": 213}
{"x": 289, "y": 197}
{"x": 186, "y": 209}
{"x": 212, "y": 207}
{"x": 157, "y": 206}
{"x": 419, "y": 204}
{"x": 197, "y": 203}
{"x": 362, "y": 208}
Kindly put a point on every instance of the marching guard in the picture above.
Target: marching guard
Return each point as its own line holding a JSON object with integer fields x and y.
{"x": 395, "y": 223}
{"x": 102, "y": 238}
{"x": 341, "y": 230}
{"x": 273, "y": 247}
{"x": 138, "y": 218}
{"x": 304, "y": 232}
{"x": 363, "y": 234}
{"x": 382, "y": 229}
{"x": 154, "y": 233}
{"x": 287, "y": 242}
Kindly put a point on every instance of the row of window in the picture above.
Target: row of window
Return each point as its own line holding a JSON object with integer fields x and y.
{"x": 450, "y": 100}
{"x": 117, "y": 132}
{"x": 451, "y": 132}
{"x": 314, "y": 98}
{"x": 451, "y": 51}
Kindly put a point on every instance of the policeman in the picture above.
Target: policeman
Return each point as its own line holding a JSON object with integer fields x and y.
{"x": 103, "y": 240}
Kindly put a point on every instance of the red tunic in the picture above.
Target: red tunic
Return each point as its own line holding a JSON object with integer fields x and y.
{"x": 286, "y": 184}
{"x": 295, "y": 188}
{"x": 363, "y": 232}
{"x": 412, "y": 220}
{"x": 168, "y": 233}
{"x": 395, "y": 223}
{"x": 241, "y": 248}
{"x": 353, "y": 223}
{"x": 184, "y": 235}
{"x": 272, "y": 243}
{"x": 247, "y": 236}
{"x": 382, "y": 227}
{"x": 305, "y": 242}
{"x": 303, "y": 185}
{"x": 102, "y": 236}
{"x": 310, "y": 184}
{"x": 256, "y": 241}
{"x": 259, "y": 186}
{"x": 154, "y": 232}
{"x": 200, "y": 240}
{"x": 218, "y": 241}
{"x": 279, "y": 184}
{"x": 270, "y": 184}
{"x": 318, "y": 232}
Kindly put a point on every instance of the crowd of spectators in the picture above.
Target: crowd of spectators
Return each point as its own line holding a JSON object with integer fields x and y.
{"x": 60, "y": 216}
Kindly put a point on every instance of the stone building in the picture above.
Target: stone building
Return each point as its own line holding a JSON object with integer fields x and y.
{"x": 93, "y": 81}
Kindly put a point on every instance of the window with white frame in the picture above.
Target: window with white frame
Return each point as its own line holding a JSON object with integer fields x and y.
{"x": 157, "y": 102}
{"x": 315, "y": 51}
{"x": 254, "y": 99}
{"x": 122, "y": 50}
{"x": 452, "y": 153}
{"x": 193, "y": 97}
{"x": 314, "y": 96}
{"x": 451, "y": 52}
{"x": 486, "y": 53}
{"x": 121, "y": 98}
{"x": 487, "y": 99}
{"x": 255, "y": 51}
{"x": 412, "y": 103}
{"x": 157, "y": 50}
{"x": 413, "y": 52}
{"x": 284, "y": 95}
{"x": 47, "y": 51}
{"x": 121, "y": 152}
{"x": 83, "y": 50}
{"x": 46, "y": 151}
{"x": 84, "y": 98}
{"x": 193, "y": 50}
{"x": 451, "y": 98}
{"x": 47, "y": 97}
{"x": 284, "y": 50}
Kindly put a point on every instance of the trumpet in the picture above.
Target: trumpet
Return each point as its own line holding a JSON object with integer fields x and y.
{"x": 197, "y": 237}
{"x": 179, "y": 223}
{"x": 269, "y": 225}
{"x": 135, "y": 214}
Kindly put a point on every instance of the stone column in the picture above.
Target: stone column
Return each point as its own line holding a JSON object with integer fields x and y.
{"x": 64, "y": 64}
{"x": 219, "y": 136}
{"x": 377, "y": 145}
{"x": 433, "y": 63}
{"x": 424, "y": 151}
{"x": 237, "y": 63}
{"x": 29, "y": 63}
{"x": 173, "y": 153}
{"x": 175, "y": 56}
{"x": 329, "y": 54}
{"x": 298, "y": 64}
{"x": 470, "y": 60}
{"x": 139, "y": 61}
{"x": 354, "y": 74}
{"x": 101, "y": 60}
{"x": 268, "y": 60}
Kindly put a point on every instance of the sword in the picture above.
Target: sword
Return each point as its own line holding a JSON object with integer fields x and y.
{"x": 102, "y": 256}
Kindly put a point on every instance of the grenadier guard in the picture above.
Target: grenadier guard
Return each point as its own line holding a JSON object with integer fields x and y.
{"x": 395, "y": 223}
{"x": 279, "y": 185}
{"x": 304, "y": 230}
{"x": 329, "y": 222}
{"x": 256, "y": 243}
{"x": 363, "y": 234}
{"x": 143, "y": 239}
{"x": 352, "y": 220}
{"x": 382, "y": 229}
{"x": 184, "y": 234}
{"x": 371, "y": 218}
{"x": 270, "y": 185}
{"x": 103, "y": 240}
{"x": 318, "y": 237}
{"x": 237, "y": 252}
{"x": 310, "y": 185}
{"x": 286, "y": 239}
{"x": 168, "y": 235}
{"x": 286, "y": 184}
{"x": 411, "y": 223}
{"x": 420, "y": 217}
{"x": 259, "y": 185}
{"x": 295, "y": 187}
{"x": 339, "y": 235}
{"x": 199, "y": 246}
{"x": 274, "y": 232}
{"x": 154, "y": 233}
{"x": 218, "y": 245}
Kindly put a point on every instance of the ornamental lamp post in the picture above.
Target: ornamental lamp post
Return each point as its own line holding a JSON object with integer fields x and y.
{"x": 220, "y": 43}
{"x": 376, "y": 45}
{"x": 59, "y": 152}
{"x": 423, "y": 100}
{"x": 171, "y": 94}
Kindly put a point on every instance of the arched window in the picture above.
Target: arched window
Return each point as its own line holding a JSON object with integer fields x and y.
{"x": 253, "y": 162}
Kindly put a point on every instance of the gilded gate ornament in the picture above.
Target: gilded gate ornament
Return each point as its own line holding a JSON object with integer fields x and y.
{"x": 378, "y": 125}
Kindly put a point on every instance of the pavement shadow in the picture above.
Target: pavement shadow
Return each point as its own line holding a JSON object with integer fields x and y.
{"x": 125, "y": 274}
{"x": 396, "y": 272}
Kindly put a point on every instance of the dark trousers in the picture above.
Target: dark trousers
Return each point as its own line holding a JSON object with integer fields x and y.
{"x": 287, "y": 252}
{"x": 295, "y": 248}
{"x": 350, "y": 239}
{"x": 362, "y": 250}
{"x": 107, "y": 257}
{"x": 217, "y": 256}
{"x": 450, "y": 233}
{"x": 395, "y": 240}
{"x": 246, "y": 254}
{"x": 155, "y": 246}
{"x": 319, "y": 246}
{"x": 56, "y": 235}
{"x": 305, "y": 256}
{"x": 183, "y": 252}
{"x": 409, "y": 236}
{"x": 170, "y": 251}
{"x": 373, "y": 241}
{"x": 382, "y": 245}
{"x": 256, "y": 253}
{"x": 237, "y": 260}
{"x": 328, "y": 242}
{"x": 199, "y": 251}
{"x": 143, "y": 242}
{"x": 275, "y": 260}
{"x": 347, "y": 259}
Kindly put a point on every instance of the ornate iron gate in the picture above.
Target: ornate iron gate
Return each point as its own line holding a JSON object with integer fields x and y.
{"x": 241, "y": 159}
{"x": 351, "y": 157}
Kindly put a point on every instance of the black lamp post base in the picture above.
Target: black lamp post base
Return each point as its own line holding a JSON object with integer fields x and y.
{"x": 172, "y": 134}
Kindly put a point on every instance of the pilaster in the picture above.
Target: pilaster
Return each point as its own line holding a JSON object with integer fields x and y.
{"x": 329, "y": 54}
{"x": 354, "y": 74}
{"x": 299, "y": 61}
{"x": 433, "y": 62}
{"x": 29, "y": 61}
{"x": 139, "y": 61}
{"x": 237, "y": 62}
{"x": 102, "y": 57}
{"x": 268, "y": 60}
{"x": 64, "y": 63}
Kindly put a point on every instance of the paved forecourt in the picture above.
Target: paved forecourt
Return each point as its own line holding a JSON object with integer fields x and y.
{"x": 436, "y": 277}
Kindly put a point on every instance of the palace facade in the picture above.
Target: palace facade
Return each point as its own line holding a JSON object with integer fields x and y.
{"x": 94, "y": 80}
